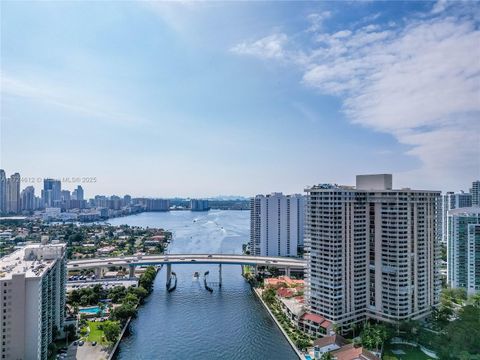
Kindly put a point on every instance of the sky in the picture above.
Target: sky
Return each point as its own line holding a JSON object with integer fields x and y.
{"x": 200, "y": 99}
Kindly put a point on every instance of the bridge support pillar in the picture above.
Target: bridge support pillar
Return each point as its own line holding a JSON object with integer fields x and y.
{"x": 287, "y": 271}
{"x": 255, "y": 270}
{"x": 219, "y": 275}
{"x": 98, "y": 273}
{"x": 169, "y": 274}
{"x": 131, "y": 271}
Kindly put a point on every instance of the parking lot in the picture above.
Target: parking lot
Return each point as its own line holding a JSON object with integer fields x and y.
{"x": 107, "y": 283}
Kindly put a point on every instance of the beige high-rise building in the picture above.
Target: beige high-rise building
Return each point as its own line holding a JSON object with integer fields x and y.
{"x": 372, "y": 251}
{"x": 32, "y": 303}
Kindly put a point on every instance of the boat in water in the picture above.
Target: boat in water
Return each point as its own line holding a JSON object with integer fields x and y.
{"x": 196, "y": 275}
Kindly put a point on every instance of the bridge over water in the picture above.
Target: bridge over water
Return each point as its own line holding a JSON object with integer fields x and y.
{"x": 286, "y": 263}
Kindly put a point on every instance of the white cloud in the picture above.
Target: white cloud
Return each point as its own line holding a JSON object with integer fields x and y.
{"x": 316, "y": 20}
{"x": 420, "y": 84}
{"x": 269, "y": 47}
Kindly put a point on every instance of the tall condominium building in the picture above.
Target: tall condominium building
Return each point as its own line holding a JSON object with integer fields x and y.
{"x": 451, "y": 201}
{"x": 3, "y": 192}
{"x": 372, "y": 251}
{"x": 276, "y": 224}
{"x": 32, "y": 285}
{"x": 28, "y": 198}
{"x": 475, "y": 191}
{"x": 77, "y": 194}
{"x": 52, "y": 192}
{"x": 199, "y": 205}
{"x": 13, "y": 194}
{"x": 157, "y": 205}
{"x": 463, "y": 249}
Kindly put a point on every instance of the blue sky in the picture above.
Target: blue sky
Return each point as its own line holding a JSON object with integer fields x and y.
{"x": 201, "y": 99}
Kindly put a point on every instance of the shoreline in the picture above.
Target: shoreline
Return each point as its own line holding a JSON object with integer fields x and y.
{"x": 259, "y": 296}
{"x": 124, "y": 330}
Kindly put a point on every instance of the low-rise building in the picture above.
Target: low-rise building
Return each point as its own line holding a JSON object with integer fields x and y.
{"x": 340, "y": 349}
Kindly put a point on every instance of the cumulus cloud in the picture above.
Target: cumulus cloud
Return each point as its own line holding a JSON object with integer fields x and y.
{"x": 269, "y": 47}
{"x": 419, "y": 83}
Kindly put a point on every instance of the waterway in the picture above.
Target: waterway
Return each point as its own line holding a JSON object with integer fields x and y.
{"x": 190, "y": 322}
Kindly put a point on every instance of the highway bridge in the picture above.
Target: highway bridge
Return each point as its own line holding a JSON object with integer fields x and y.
{"x": 97, "y": 264}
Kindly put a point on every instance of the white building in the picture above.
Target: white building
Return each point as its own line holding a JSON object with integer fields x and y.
{"x": 372, "y": 251}
{"x": 276, "y": 224}
{"x": 463, "y": 249}
{"x": 452, "y": 201}
{"x": 32, "y": 285}
{"x": 199, "y": 205}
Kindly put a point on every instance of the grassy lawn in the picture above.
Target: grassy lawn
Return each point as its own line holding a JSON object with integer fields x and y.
{"x": 411, "y": 353}
{"x": 95, "y": 333}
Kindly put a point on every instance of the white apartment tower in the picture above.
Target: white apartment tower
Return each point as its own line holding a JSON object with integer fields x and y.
{"x": 276, "y": 224}
{"x": 32, "y": 303}
{"x": 372, "y": 251}
{"x": 463, "y": 249}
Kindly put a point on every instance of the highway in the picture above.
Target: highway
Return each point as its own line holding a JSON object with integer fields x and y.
{"x": 279, "y": 262}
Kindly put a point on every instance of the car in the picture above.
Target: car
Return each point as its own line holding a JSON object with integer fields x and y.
{"x": 81, "y": 342}
{"x": 182, "y": 258}
{"x": 75, "y": 265}
{"x": 275, "y": 261}
{"x": 193, "y": 260}
{"x": 209, "y": 256}
{"x": 110, "y": 263}
{"x": 75, "y": 342}
{"x": 129, "y": 261}
{"x": 165, "y": 259}
{"x": 94, "y": 343}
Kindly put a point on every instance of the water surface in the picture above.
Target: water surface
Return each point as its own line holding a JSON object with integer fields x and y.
{"x": 190, "y": 322}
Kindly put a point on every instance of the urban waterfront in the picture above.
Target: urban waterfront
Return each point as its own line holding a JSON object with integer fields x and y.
{"x": 191, "y": 322}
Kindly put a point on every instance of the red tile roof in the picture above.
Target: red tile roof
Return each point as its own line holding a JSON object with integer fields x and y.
{"x": 350, "y": 352}
{"x": 329, "y": 340}
{"x": 326, "y": 324}
{"x": 313, "y": 318}
{"x": 284, "y": 292}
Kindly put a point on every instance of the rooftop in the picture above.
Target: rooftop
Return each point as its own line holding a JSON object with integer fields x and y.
{"x": 294, "y": 306}
{"x": 32, "y": 260}
{"x": 474, "y": 210}
{"x": 330, "y": 340}
{"x": 350, "y": 352}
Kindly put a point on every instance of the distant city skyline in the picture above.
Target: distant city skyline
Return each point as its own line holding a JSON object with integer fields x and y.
{"x": 38, "y": 184}
{"x": 167, "y": 99}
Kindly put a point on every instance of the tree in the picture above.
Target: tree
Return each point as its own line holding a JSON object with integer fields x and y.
{"x": 373, "y": 336}
{"x": 269, "y": 296}
{"x": 131, "y": 299}
{"x": 111, "y": 329}
{"x": 124, "y": 311}
{"x": 462, "y": 334}
{"x": 326, "y": 356}
{"x": 302, "y": 343}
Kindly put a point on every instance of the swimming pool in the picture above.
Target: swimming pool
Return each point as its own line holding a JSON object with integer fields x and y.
{"x": 90, "y": 310}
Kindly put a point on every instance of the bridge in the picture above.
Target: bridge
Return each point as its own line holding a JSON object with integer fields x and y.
{"x": 169, "y": 259}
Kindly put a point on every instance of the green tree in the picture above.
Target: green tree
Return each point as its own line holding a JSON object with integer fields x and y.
{"x": 123, "y": 312}
{"x": 111, "y": 329}
{"x": 326, "y": 356}
{"x": 269, "y": 296}
{"x": 302, "y": 343}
